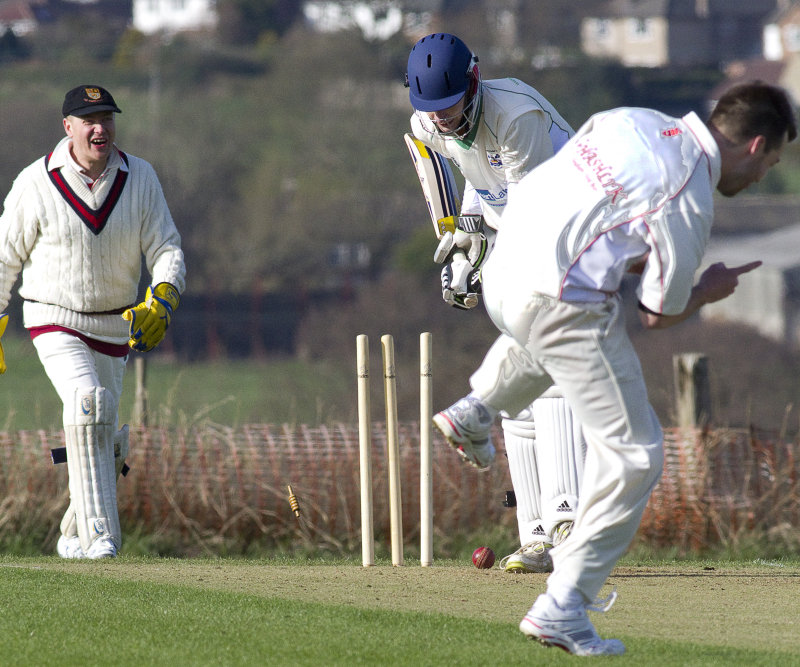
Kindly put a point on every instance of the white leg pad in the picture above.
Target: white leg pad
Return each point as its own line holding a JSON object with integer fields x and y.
{"x": 90, "y": 462}
{"x": 561, "y": 449}
{"x": 69, "y": 526}
{"x": 519, "y": 436}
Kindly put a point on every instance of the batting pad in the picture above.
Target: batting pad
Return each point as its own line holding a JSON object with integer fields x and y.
{"x": 69, "y": 526}
{"x": 520, "y": 443}
{"x": 90, "y": 463}
{"x": 561, "y": 450}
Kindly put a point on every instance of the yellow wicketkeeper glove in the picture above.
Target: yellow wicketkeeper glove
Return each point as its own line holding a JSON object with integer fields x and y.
{"x": 150, "y": 319}
{"x": 3, "y": 325}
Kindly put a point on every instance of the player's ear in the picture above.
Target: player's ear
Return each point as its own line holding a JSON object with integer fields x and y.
{"x": 757, "y": 144}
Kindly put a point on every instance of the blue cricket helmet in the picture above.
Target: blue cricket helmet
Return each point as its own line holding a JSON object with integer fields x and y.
{"x": 439, "y": 72}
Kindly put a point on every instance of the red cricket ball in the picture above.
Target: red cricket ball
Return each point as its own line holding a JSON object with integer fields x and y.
{"x": 483, "y": 558}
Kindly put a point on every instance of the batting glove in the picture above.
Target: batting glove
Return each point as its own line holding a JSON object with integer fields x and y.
{"x": 474, "y": 245}
{"x": 465, "y": 250}
{"x": 461, "y": 283}
{"x": 150, "y": 320}
{"x": 3, "y": 325}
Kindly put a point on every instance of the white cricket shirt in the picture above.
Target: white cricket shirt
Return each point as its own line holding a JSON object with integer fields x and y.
{"x": 631, "y": 183}
{"x": 516, "y": 130}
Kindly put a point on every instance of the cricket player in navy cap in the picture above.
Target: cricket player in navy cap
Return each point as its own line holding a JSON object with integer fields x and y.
{"x": 76, "y": 225}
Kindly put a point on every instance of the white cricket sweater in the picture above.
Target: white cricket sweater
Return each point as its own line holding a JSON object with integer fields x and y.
{"x": 79, "y": 250}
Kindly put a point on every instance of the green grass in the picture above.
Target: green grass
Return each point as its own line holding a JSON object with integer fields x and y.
{"x": 135, "y": 611}
{"x": 29, "y": 400}
{"x": 238, "y": 392}
{"x": 227, "y": 392}
{"x": 168, "y": 624}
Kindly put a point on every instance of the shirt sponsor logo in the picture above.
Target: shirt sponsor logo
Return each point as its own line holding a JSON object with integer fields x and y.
{"x": 493, "y": 198}
{"x": 671, "y": 132}
{"x": 600, "y": 172}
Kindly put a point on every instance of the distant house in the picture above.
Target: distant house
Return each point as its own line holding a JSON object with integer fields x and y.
{"x": 779, "y": 61}
{"x": 170, "y": 16}
{"x": 375, "y": 19}
{"x": 660, "y": 33}
{"x": 781, "y": 33}
{"x": 21, "y": 17}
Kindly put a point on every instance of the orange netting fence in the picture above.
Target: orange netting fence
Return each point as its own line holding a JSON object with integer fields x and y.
{"x": 211, "y": 489}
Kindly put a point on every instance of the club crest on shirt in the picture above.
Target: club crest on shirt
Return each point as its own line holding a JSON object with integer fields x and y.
{"x": 494, "y": 159}
{"x": 87, "y": 404}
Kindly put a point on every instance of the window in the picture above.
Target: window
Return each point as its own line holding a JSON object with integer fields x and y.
{"x": 640, "y": 30}
{"x": 600, "y": 28}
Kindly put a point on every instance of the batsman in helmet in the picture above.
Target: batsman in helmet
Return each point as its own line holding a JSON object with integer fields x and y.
{"x": 76, "y": 225}
{"x": 496, "y": 131}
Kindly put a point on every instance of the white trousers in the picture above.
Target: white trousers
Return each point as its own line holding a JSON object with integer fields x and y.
{"x": 71, "y": 364}
{"x": 585, "y": 350}
{"x": 89, "y": 384}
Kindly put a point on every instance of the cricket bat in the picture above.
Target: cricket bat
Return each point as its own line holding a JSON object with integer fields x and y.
{"x": 438, "y": 185}
{"x": 440, "y": 191}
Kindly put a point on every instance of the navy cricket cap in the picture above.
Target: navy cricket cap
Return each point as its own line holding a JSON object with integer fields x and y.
{"x": 84, "y": 100}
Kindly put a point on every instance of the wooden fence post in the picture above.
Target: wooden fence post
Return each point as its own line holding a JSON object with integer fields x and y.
{"x": 692, "y": 389}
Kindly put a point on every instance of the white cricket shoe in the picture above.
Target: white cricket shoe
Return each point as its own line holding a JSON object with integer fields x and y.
{"x": 568, "y": 629}
{"x": 466, "y": 426}
{"x": 533, "y": 557}
{"x": 69, "y": 547}
{"x": 562, "y": 532}
{"x": 102, "y": 547}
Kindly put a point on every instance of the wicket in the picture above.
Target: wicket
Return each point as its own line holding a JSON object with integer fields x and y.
{"x": 393, "y": 452}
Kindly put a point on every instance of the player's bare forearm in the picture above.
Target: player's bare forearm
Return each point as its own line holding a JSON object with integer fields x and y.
{"x": 717, "y": 282}
{"x": 651, "y": 320}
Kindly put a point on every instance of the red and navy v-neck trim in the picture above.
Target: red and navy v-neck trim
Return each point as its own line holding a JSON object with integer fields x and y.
{"x": 94, "y": 219}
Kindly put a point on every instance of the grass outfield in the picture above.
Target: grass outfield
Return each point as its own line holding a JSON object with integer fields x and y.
{"x": 150, "y": 611}
{"x": 226, "y": 392}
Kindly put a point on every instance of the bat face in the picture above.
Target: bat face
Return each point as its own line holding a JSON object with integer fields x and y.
{"x": 438, "y": 185}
